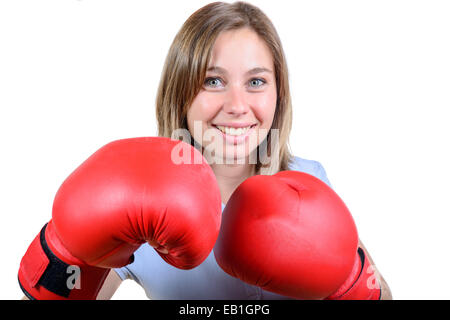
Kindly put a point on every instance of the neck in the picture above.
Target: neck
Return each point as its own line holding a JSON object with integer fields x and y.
{"x": 230, "y": 176}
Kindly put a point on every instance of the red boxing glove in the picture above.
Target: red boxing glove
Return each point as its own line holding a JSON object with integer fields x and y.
{"x": 127, "y": 193}
{"x": 291, "y": 234}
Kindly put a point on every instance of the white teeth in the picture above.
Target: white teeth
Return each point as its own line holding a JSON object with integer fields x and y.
{"x": 233, "y": 131}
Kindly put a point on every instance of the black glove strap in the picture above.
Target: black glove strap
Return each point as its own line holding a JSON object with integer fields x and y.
{"x": 56, "y": 276}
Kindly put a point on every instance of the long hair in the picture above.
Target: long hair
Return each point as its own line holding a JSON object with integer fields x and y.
{"x": 187, "y": 62}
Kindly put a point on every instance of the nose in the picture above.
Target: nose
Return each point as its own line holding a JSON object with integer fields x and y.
{"x": 235, "y": 102}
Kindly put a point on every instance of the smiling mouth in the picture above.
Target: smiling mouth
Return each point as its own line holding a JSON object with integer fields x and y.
{"x": 231, "y": 131}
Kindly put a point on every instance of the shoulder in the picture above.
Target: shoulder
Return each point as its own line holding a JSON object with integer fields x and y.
{"x": 311, "y": 167}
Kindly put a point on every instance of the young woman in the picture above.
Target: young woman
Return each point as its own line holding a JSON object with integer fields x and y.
{"x": 224, "y": 89}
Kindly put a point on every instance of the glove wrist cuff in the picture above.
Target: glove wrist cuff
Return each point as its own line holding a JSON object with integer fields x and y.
{"x": 361, "y": 284}
{"x": 44, "y": 275}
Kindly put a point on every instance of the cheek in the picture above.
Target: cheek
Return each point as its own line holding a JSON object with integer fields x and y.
{"x": 264, "y": 108}
{"x": 203, "y": 110}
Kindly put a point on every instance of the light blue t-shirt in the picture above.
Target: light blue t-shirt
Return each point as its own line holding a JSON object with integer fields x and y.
{"x": 207, "y": 281}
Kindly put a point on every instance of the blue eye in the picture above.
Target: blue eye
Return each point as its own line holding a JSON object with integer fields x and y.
{"x": 257, "y": 82}
{"x": 213, "y": 82}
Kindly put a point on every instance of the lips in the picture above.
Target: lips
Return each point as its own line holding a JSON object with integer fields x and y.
{"x": 235, "y": 132}
{"x": 236, "y": 129}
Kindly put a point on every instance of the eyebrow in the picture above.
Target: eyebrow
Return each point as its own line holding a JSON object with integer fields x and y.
{"x": 253, "y": 71}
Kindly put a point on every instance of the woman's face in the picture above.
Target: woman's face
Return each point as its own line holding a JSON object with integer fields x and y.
{"x": 234, "y": 110}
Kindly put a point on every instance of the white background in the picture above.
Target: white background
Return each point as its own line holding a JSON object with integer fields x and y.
{"x": 370, "y": 84}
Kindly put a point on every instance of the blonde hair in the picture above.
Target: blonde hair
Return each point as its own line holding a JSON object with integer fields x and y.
{"x": 187, "y": 61}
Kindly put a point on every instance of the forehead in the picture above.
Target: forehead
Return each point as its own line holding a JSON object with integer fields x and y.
{"x": 242, "y": 47}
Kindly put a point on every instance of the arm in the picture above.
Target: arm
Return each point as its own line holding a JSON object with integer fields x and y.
{"x": 385, "y": 290}
{"x": 112, "y": 283}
